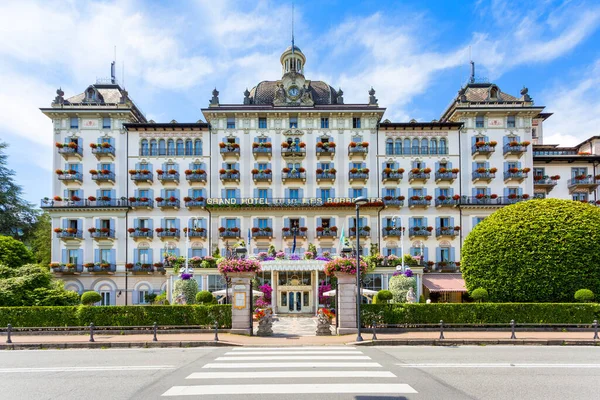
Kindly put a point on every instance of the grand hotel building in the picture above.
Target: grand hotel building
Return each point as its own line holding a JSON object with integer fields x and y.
{"x": 290, "y": 157}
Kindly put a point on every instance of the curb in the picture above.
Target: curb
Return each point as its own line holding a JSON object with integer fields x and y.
{"x": 475, "y": 342}
{"x": 115, "y": 345}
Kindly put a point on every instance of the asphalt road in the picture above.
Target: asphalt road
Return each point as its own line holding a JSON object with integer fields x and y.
{"x": 340, "y": 372}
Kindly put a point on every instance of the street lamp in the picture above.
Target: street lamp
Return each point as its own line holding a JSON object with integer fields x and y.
{"x": 359, "y": 201}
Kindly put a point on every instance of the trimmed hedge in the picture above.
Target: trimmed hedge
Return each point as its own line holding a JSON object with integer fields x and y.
{"x": 116, "y": 316}
{"x": 481, "y": 313}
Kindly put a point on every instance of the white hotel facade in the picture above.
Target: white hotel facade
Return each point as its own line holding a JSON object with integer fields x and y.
{"x": 290, "y": 157}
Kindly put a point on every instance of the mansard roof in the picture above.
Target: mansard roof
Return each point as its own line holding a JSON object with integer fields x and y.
{"x": 322, "y": 93}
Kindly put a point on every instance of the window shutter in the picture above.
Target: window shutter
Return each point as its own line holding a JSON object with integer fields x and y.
{"x": 520, "y": 191}
{"x": 270, "y": 223}
{"x": 150, "y": 256}
{"x": 449, "y": 165}
{"x": 223, "y": 222}
{"x": 452, "y": 221}
{"x": 238, "y": 223}
{"x": 176, "y": 251}
{"x": 426, "y": 255}
{"x": 473, "y": 141}
{"x": 332, "y": 222}
{"x": 113, "y": 194}
{"x": 519, "y": 165}
{"x": 332, "y": 193}
{"x": 506, "y": 140}
{"x": 438, "y": 254}
{"x": 452, "y": 254}
{"x": 351, "y": 224}
{"x": 151, "y": 224}
{"x": 79, "y": 224}
{"x": 163, "y": 223}
{"x": 80, "y": 256}
{"x": 474, "y": 166}
{"x": 437, "y": 222}
{"x": 189, "y": 254}
{"x": 302, "y": 222}
{"x": 437, "y": 166}
{"x": 136, "y": 222}
{"x": 97, "y": 223}
{"x": 505, "y": 192}
{"x": 177, "y": 193}
{"x": 97, "y": 255}
{"x": 269, "y": 194}
{"x": 425, "y": 221}
{"x": 287, "y": 193}
{"x": 437, "y": 193}
{"x": 136, "y": 258}
{"x": 487, "y": 164}
{"x": 410, "y": 192}
{"x": 64, "y": 255}
{"x": 424, "y": 191}
{"x": 301, "y": 193}
{"x": 238, "y": 194}
{"x": 177, "y": 223}
{"x": 450, "y": 191}
{"x": 318, "y": 222}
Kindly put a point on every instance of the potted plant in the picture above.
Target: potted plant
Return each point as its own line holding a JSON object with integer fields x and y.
{"x": 284, "y": 145}
{"x": 92, "y": 230}
{"x": 129, "y": 265}
{"x": 401, "y": 198}
{"x": 222, "y": 229}
{"x": 93, "y": 145}
{"x": 493, "y": 196}
{"x": 493, "y": 170}
{"x": 59, "y": 172}
{"x": 456, "y": 197}
{"x": 172, "y": 171}
{"x": 160, "y": 171}
{"x": 91, "y": 198}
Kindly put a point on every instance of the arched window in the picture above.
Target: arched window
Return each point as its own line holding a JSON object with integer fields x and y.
{"x": 407, "y": 146}
{"x": 424, "y": 146}
{"x": 198, "y": 147}
{"x": 389, "y": 147}
{"x": 144, "y": 148}
{"x": 162, "y": 150}
{"x": 433, "y": 147}
{"x": 153, "y": 148}
{"x": 180, "y": 147}
{"x": 398, "y": 146}
{"x": 443, "y": 148}
{"x": 415, "y": 146}
{"x": 188, "y": 148}
{"x": 171, "y": 147}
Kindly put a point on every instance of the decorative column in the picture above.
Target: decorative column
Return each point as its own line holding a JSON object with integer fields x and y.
{"x": 273, "y": 293}
{"x": 315, "y": 285}
{"x": 418, "y": 274}
{"x": 346, "y": 308}
{"x": 241, "y": 312}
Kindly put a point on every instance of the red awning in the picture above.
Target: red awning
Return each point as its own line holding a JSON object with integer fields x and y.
{"x": 444, "y": 282}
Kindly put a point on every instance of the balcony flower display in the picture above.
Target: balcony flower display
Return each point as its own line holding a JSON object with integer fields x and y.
{"x": 159, "y": 199}
{"x": 456, "y": 197}
{"x": 159, "y": 230}
{"x": 57, "y": 198}
{"x": 160, "y": 171}
{"x": 345, "y": 265}
{"x": 229, "y": 265}
{"x": 129, "y": 265}
{"x": 172, "y": 171}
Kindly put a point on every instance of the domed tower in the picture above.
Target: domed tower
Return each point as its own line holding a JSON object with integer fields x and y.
{"x": 292, "y": 60}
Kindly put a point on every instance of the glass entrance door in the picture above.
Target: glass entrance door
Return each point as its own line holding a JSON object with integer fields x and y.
{"x": 295, "y": 301}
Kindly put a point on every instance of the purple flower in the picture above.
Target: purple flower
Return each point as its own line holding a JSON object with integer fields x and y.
{"x": 408, "y": 273}
{"x": 185, "y": 276}
{"x": 321, "y": 258}
{"x": 295, "y": 257}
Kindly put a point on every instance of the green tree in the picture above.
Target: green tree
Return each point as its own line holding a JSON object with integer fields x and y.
{"x": 535, "y": 251}
{"x": 13, "y": 253}
{"x": 17, "y": 216}
{"x": 479, "y": 295}
{"x": 42, "y": 240}
{"x": 90, "y": 297}
{"x": 205, "y": 297}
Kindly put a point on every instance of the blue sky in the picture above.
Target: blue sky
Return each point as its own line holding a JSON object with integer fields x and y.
{"x": 414, "y": 53}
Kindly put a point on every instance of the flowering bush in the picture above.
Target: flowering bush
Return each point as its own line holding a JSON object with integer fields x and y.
{"x": 295, "y": 257}
{"x": 280, "y": 255}
{"x": 227, "y": 265}
{"x": 309, "y": 255}
{"x": 324, "y": 287}
{"x": 346, "y": 265}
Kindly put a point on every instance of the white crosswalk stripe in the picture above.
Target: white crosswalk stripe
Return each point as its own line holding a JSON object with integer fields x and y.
{"x": 290, "y": 371}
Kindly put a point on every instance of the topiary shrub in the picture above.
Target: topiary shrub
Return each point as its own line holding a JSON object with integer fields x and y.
{"x": 89, "y": 298}
{"x": 188, "y": 288}
{"x": 534, "y": 251}
{"x": 479, "y": 295}
{"x": 205, "y": 297}
{"x": 584, "y": 296}
{"x": 383, "y": 296}
{"x": 399, "y": 286}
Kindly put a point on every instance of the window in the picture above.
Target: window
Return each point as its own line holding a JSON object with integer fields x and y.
{"x": 142, "y": 296}
{"x": 106, "y": 123}
{"x": 293, "y": 122}
{"x": 171, "y": 147}
{"x": 153, "y": 148}
{"x": 444, "y": 222}
{"x": 580, "y": 197}
{"x": 373, "y": 282}
{"x": 197, "y": 253}
{"x": 578, "y": 172}
{"x": 230, "y": 223}
{"x": 72, "y": 256}
{"x": 263, "y": 223}
{"x": 105, "y": 223}
{"x": 144, "y": 256}
{"x": 262, "y": 123}
{"x": 325, "y": 194}
{"x": 433, "y": 147}
{"x": 230, "y": 123}
{"x": 104, "y": 256}
{"x": 510, "y": 121}
{"x": 215, "y": 282}
{"x": 230, "y": 193}
{"x": 263, "y": 193}
{"x": 325, "y": 222}
{"x": 390, "y": 192}
{"x": 294, "y": 194}
{"x": 74, "y": 123}
{"x": 444, "y": 192}
{"x": 415, "y": 146}
{"x": 479, "y": 121}
{"x": 105, "y": 298}
{"x": 262, "y": 166}
{"x": 477, "y": 220}
{"x": 356, "y": 193}
{"x": 144, "y": 148}
{"x": 418, "y": 221}
{"x": 180, "y": 147}
{"x": 356, "y": 165}
{"x": 262, "y": 140}
{"x": 443, "y": 147}
{"x": 144, "y": 193}
{"x": 356, "y": 123}
{"x": 389, "y": 147}
{"x": 480, "y": 191}
{"x": 170, "y": 223}
{"x": 398, "y": 146}
{"x": 444, "y": 254}
{"x": 198, "y": 147}
{"x": 324, "y": 123}
{"x": 105, "y": 193}
{"x": 418, "y": 192}
{"x": 143, "y": 223}
{"x": 534, "y": 133}
{"x": 162, "y": 148}
{"x": 539, "y": 195}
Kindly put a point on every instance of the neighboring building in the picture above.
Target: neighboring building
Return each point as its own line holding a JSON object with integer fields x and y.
{"x": 289, "y": 158}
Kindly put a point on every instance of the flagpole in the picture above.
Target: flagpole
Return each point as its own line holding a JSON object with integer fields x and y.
{"x": 402, "y": 244}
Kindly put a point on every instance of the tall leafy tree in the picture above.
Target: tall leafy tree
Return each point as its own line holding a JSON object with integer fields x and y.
{"x": 17, "y": 216}
{"x": 41, "y": 240}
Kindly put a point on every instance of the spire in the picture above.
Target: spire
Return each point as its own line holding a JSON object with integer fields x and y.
{"x": 293, "y": 28}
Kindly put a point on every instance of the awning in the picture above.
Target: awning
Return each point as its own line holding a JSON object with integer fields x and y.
{"x": 223, "y": 292}
{"x": 293, "y": 265}
{"x": 444, "y": 282}
{"x": 364, "y": 292}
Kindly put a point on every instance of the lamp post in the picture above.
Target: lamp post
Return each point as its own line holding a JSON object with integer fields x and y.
{"x": 359, "y": 201}
{"x": 187, "y": 242}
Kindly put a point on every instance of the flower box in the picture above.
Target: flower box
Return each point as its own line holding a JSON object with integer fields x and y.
{"x": 232, "y": 265}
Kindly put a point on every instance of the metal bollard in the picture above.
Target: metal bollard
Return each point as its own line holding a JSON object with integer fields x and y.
{"x": 216, "y": 332}
{"x": 92, "y": 332}
{"x": 512, "y": 328}
{"x": 595, "y": 329}
{"x": 442, "y": 329}
{"x": 9, "y": 331}
{"x": 373, "y": 323}
{"x": 155, "y": 327}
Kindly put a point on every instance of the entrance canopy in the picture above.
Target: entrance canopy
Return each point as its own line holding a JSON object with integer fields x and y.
{"x": 444, "y": 282}
{"x": 223, "y": 292}
{"x": 364, "y": 292}
{"x": 293, "y": 265}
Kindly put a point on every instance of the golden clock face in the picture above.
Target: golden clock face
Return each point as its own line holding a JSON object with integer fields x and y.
{"x": 293, "y": 91}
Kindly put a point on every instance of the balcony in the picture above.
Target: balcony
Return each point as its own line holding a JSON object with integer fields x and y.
{"x": 69, "y": 234}
{"x": 327, "y": 175}
{"x": 168, "y": 233}
{"x": 293, "y": 151}
{"x": 514, "y": 198}
{"x": 515, "y": 148}
{"x": 363, "y": 232}
{"x": 229, "y": 232}
{"x": 515, "y": 174}
{"x": 103, "y": 151}
{"x": 547, "y": 183}
{"x": 101, "y": 268}
{"x": 262, "y": 150}
{"x": 198, "y": 175}
{"x": 198, "y": 202}
{"x": 326, "y": 232}
{"x": 325, "y": 150}
{"x": 424, "y": 231}
{"x": 170, "y": 176}
{"x": 289, "y": 233}
{"x": 419, "y": 202}
{"x": 293, "y": 175}
{"x": 583, "y": 182}
{"x": 358, "y": 150}
{"x": 262, "y": 176}
{"x": 446, "y": 176}
{"x": 444, "y": 201}
{"x": 102, "y": 233}
{"x": 266, "y": 233}
{"x": 165, "y": 204}
{"x": 140, "y": 268}
{"x": 447, "y": 231}
{"x": 390, "y": 231}
{"x": 483, "y": 175}
{"x": 143, "y": 176}
{"x": 140, "y": 233}
{"x": 358, "y": 175}
{"x": 229, "y": 150}
{"x": 141, "y": 202}
{"x": 104, "y": 176}
{"x": 391, "y": 201}
{"x": 447, "y": 266}
{"x": 389, "y": 175}
{"x": 232, "y": 175}
{"x": 197, "y": 233}
{"x": 481, "y": 200}
{"x": 68, "y": 268}
{"x": 419, "y": 175}
{"x": 70, "y": 151}
{"x": 69, "y": 177}
{"x": 483, "y": 149}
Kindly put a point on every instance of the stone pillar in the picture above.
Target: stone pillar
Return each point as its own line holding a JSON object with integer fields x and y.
{"x": 346, "y": 309}
{"x": 418, "y": 274}
{"x": 241, "y": 313}
{"x": 315, "y": 285}
{"x": 273, "y": 293}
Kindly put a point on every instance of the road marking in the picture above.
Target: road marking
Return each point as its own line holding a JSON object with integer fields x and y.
{"x": 264, "y": 353}
{"x": 291, "y": 374}
{"x": 273, "y": 358}
{"x": 499, "y": 365}
{"x": 294, "y": 348}
{"x": 210, "y": 390}
{"x": 88, "y": 369}
{"x": 295, "y": 365}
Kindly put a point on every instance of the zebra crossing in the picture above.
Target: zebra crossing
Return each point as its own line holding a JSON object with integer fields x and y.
{"x": 291, "y": 371}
